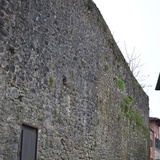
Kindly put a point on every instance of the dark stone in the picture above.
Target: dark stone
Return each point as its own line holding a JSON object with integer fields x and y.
{"x": 2, "y": 22}
{"x": 64, "y": 80}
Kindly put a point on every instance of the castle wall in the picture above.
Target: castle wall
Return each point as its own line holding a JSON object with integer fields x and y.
{"x": 62, "y": 73}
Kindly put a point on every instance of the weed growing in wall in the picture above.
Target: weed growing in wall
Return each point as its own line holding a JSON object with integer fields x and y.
{"x": 120, "y": 83}
{"x": 55, "y": 112}
{"x": 107, "y": 67}
{"x": 51, "y": 82}
{"x": 133, "y": 114}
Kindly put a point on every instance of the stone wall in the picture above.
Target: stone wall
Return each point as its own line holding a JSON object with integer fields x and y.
{"x": 62, "y": 72}
{"x": 157, "y": 154}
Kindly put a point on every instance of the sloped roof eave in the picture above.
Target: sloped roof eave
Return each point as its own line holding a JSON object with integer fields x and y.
{"x": 158, "y": 83}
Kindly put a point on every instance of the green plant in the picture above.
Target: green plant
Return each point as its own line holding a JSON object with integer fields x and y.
{"x": 90, "y": 5}
{"x": 139, "y": 122}
{"x": 51, "y": 82}
{"x": 133, "y": 114}
{"x": 55, "y": 112}
{"x": 120, "y": 83}
{"x": 126, "y": 105}
{"x": 107, "y": 67}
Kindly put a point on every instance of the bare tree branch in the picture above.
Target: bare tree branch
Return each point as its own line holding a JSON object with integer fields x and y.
{"x": 134, "y": 63}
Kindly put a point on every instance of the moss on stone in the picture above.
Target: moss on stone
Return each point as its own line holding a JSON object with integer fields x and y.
{"x": 133, "y": 114}
{"x": 51, "y": 82}
{"x": 90, "y": 5}
{"x": 55, "y": 112}
{"x": 107, "y": 67}
{"x": 120, "y": 83}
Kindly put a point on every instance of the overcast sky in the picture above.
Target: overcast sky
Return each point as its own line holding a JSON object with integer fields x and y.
{"x": 137, "y": 23}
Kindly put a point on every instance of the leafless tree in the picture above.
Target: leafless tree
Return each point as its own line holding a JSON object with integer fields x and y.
{"x": 134, "y": 62}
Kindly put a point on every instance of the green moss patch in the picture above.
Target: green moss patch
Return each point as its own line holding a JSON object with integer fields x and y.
{"x": 127, "y": 107}
{"x": 120, "y": 83}
{"x": 51, "y": 82}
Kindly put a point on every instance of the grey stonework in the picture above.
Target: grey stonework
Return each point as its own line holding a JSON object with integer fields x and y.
{"x": 62, "y": 72}
{"x": 157, "y": 154}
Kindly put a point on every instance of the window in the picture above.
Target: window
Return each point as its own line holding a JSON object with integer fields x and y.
{"x": 157, "y": 143}
{"x": 29, "y": 137}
